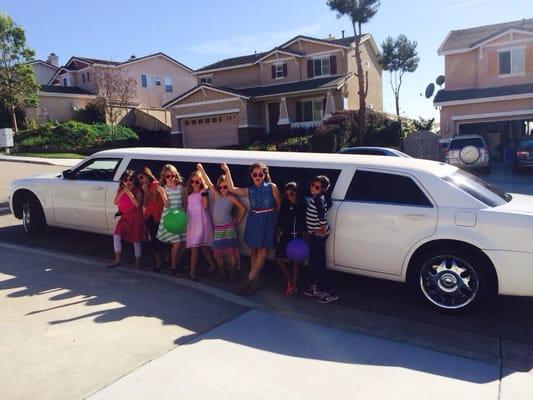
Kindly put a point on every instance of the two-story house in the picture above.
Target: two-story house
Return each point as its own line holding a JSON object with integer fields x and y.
{"x": 44, "y": 70}
{"x": 489, "y": 83}
{"x": 158, "y": 77}
{"x": 295, "y": 85}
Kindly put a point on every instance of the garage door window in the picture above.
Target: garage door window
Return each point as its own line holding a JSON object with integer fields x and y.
{"x": 387, "y": 188}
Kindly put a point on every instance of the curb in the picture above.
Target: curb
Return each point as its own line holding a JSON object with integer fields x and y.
{"x": 491, "y": 350}
{"x": 34, "y": 161}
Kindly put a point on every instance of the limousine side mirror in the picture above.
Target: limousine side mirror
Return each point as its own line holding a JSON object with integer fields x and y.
{"x": 67, "y": 174}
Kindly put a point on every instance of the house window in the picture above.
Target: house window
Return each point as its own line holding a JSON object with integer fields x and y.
{"x": 321, "y": 66}
{"x": 168, "y": 85}
{"x": 88, "y": 77}
{"x": 310, "y": 111}
{"x": 66, "y": 81}
{"x": 83, "y": 77}
{"x": 511, "y": 61}
{"x": 157, "y": 81}
{"x": 280, "y": 74}
{"x": 144, "y": 81}
{"x": 207, "y": 79}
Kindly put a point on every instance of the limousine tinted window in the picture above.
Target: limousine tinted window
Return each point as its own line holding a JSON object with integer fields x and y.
{"x": 280, "y": 175}
{"x": 378, "y": 187}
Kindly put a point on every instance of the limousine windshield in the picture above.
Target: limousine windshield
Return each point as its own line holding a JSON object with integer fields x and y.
{"x": 478, "y": 188}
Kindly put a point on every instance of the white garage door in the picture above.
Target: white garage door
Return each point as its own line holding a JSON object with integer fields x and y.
{"x": 211, "y": 131}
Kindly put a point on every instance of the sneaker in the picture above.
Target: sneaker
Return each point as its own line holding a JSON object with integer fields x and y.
{"x": 326, "y": 297}
{"x": 312, "y": 291}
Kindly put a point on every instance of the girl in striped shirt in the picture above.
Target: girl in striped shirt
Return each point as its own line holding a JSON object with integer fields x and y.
{"x": 318, "y": 231}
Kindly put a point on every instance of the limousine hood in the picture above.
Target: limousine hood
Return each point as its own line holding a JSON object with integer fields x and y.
{"x": 519, "y": 204}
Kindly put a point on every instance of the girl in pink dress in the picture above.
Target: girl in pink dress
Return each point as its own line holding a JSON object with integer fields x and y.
{"x": 199, "y": 226}
{"x": 130, "y": 227}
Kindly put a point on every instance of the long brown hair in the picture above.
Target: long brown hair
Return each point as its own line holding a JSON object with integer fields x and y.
{"x": 263, "y": 167}
{"x": 148, "y": 173}
{"x": 125, "y": 175}
{"x": 178, "y": 180}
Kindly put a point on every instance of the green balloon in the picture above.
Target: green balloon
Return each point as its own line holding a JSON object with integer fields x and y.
{"x": 175, "y": 221}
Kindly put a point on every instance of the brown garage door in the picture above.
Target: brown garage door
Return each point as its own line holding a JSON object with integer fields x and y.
{"x": 211, "y": 131}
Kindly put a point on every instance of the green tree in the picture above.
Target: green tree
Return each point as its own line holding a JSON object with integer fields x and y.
{"x": 359, "y": 12}
{"x": 398, "y": 56}
{"x": 18, "y": 88}
{"x": 424, "y": 124}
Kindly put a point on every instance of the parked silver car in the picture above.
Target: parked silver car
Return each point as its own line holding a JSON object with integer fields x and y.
{"x": 468, "y": 151}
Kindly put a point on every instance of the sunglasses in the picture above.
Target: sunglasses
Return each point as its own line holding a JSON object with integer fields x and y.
{"x": 140, "y": 177}
{"x": 258, "y": 175}
{"x": 128, "y": 180}
{"x": 315, "y": 186}
{"x": 290, "y": 194}
{"x": 223, "y": 187}
{"x": 195, "y": 182}
{"x": 169, "y": 176}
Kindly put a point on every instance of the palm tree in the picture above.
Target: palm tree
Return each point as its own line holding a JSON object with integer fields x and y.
{"x": 359, "y": 12}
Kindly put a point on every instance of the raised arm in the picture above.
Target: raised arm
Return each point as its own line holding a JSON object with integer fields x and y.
{"x": 132, "y": 197}
{"x": 241, "y": 209}
{"x": 117, "y": 196}
{"x": 206, "y": 179}
{"x": 231, "y": 187}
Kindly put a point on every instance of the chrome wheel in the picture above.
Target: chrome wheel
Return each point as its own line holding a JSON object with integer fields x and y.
{"x": 26, "y": 216}
{"x": 449, "y": 282}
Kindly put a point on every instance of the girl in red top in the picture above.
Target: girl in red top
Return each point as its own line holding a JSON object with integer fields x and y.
{"x": 153, "y": 208}
{"x": 130, "y": 226}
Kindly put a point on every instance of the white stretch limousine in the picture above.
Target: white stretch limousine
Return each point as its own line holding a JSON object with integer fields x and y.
{"x": 452, "y": 236}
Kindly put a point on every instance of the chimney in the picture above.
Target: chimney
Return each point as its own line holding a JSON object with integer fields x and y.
{"x": 342, "y": 33}
{"x": 132, "y": 57}
{"x": 53, "y": 59}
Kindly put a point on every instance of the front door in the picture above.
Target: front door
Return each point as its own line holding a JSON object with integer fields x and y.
{"x": 382, "y": 217}
{"x": 83, "y": 200}
{"x": 273, "y": 117}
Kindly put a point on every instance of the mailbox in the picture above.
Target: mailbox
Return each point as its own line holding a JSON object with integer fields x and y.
{"x": 6, "y": 137}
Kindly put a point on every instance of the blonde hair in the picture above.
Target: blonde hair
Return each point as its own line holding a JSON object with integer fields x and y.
{"x": 264, "y": 168}
{"x": 178, "y": 180}
{"x": 195, "y": 173}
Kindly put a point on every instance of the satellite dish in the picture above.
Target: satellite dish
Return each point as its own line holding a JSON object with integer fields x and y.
{"x": 429, "y": 90}
{"x": 440, "y": 80}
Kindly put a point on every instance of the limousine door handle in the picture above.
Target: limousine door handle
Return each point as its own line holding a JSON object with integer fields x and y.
{"x": 98, "y": 188}
{"x": 416, "y": 217}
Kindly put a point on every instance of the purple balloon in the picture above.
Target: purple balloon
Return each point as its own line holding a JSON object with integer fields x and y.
{"x": 297, "y": 249}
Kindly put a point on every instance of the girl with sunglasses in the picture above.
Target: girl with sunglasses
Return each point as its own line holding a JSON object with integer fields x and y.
{"x": 174, "y": 195}
{"x": 291, "y": 225}
{"x": 130, "y": 226}
{"x": 199, "y": 226}
{"x": 225, "y": 242}
{"x": 265, "y": 201}
{"x": 153, "y": 208}
{"x": 318, "y": 231}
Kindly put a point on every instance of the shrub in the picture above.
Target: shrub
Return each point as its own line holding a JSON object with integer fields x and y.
{"x": 73, "y": 136}
{"x": 94, "y": 112}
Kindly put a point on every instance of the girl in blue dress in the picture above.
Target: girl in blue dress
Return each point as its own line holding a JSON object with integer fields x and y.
{"x": 265, "y": 202}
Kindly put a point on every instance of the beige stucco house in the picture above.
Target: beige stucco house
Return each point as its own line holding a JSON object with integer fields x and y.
{"x": 489, "y": 83}
{"x": 295, "y": 85}
{"x": 44, "y": 70}
{"x": 159, "y": 78}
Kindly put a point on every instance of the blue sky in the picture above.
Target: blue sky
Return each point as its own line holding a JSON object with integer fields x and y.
{"x": 199, "y": 33}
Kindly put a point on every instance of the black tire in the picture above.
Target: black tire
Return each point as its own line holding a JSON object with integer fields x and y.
{"x": 33, "y": 219}
{"x": 451, "y": 279}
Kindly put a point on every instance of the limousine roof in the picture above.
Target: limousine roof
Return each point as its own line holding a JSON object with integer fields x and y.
{"x": 249, "y": 157}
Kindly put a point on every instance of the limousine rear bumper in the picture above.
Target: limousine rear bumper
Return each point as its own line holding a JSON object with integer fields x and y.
{"x": 515, "y": 271}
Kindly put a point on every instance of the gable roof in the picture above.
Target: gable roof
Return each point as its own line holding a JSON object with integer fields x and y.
{"x": 308, "y": 85}
{"x": 251, "y": 59}
{"x": 467, "y": 39}
{"x": 207, "y": 86}
{"x": 45, "y": 63}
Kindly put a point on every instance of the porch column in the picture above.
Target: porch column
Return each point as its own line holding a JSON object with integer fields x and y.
{"x": 330, "y": 106}
{"x": 283, "y": 114}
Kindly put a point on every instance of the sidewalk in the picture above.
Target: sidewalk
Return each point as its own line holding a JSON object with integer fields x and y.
{"x": 62, "y": 162}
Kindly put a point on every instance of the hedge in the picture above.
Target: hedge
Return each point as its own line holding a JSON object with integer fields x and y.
{"x": 73, "y": 137}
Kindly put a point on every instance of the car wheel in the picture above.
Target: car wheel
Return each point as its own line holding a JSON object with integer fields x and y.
{"x": 451, "y": 279}
{"x": 33, "y": 219}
